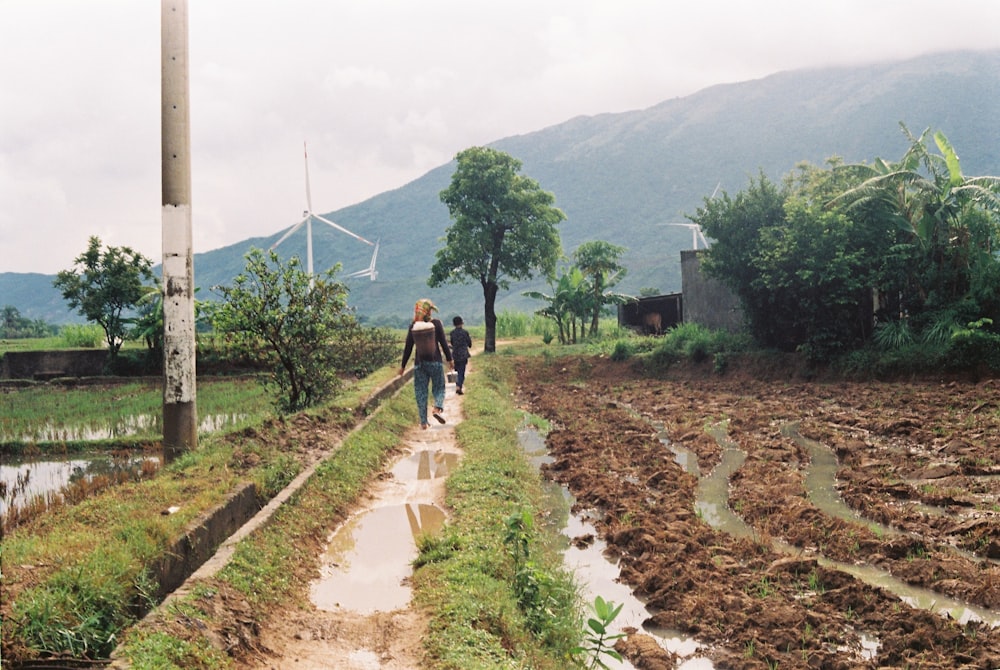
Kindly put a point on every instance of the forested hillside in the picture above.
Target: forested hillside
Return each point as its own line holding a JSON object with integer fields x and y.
{"x": 620, "y": 177}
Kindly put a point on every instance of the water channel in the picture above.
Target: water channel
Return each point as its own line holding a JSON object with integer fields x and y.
{"x": 713, "y": 497}
{"x": 27, "y": 478}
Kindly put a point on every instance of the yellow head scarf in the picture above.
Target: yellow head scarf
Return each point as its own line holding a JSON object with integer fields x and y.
{"x": 422, "y": 310}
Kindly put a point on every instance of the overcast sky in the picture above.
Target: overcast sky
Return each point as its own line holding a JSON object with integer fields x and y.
{"x": 381, "y": 90}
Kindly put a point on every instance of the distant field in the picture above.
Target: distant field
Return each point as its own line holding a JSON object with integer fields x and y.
{"x": 39, "y": 413}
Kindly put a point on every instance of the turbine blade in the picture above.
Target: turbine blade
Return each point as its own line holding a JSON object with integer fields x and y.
{"x": 289, "y": 232}
{"x": 305, "y": 155}
{"x": 342, "y": 229}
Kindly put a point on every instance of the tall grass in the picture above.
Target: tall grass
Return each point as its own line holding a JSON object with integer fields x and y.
{"x": 75, "y": 336}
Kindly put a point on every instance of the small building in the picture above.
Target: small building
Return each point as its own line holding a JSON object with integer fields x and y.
{"x": 702, "y": 300}
{"x": 707, "y": 301}
{"x": 642, "y": 314}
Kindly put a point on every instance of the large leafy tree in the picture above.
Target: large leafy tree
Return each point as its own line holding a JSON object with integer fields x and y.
{"x": 273, "y": 316}
{"x": 735, "y": 225}
{"x": 803, "y": 273}
{"x": 600, "y": 262}
{"x": 104, "y": 286}
{"x": 503, "y": 228}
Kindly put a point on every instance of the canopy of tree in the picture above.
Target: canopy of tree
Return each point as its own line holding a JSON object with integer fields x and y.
{"x": 903, "y": 251}
{"x": 503, "y": 228}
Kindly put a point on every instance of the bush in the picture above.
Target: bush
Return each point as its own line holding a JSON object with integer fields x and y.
{"x": 361, "y": 351}
{"x": 974, "y": 346}
{"x": 623, "y": 351}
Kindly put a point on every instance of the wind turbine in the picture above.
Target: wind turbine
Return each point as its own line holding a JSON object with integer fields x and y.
{"x": 370, "y": 271}
{"x": 308, "y": 216}
{"x": 696, "y": 233}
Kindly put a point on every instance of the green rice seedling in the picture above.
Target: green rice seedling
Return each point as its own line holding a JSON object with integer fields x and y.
{"x": 53, "y": 414}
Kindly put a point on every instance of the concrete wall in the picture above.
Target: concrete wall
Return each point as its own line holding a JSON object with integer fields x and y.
{"x": 50, "y": 364}
{"x": 707, "y": 301}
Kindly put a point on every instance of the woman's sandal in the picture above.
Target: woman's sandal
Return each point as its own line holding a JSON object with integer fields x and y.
{"x": 437, "y": 415}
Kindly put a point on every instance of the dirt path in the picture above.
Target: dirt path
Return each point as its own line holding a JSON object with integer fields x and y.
{"x": 361, "y": 634}
{"x": 918, "y": 458}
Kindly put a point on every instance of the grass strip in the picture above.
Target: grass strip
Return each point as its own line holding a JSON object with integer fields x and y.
{"x": 487, "y": 608}
{"x": 76, "y": 577}
{"x": 273, "y": 566}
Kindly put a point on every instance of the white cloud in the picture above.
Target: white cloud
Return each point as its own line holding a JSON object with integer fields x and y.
{"x": 381, "y": 90}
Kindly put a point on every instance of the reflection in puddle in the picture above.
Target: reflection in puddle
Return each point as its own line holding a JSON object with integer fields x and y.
{"x": 594, "y": 573}
{"x": 425, "y": 465}
{"x": 367, "y": 563}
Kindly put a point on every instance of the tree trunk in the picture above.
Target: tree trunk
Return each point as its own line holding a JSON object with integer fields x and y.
{"x": 489, "y": 301}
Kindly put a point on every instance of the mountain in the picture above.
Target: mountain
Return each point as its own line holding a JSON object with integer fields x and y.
{"x": 619, "y": 177}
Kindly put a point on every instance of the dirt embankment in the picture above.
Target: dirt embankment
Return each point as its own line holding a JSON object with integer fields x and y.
{"x": 916, "y": 461}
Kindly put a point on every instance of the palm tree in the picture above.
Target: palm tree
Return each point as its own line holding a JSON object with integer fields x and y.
{"x": 599, "y": 262}
{"x": 932, "y": 203}
{"x": 569, "y": 301}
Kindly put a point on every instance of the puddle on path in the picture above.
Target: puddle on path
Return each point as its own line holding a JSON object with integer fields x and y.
{"x": 595, "y": 574}
{"x": 366, "y": 566}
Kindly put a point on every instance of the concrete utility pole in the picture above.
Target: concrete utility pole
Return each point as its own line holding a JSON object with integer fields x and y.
{"x": 180, "y": 416}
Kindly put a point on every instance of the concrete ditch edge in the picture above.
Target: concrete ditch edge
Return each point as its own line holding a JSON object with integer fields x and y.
{"x": 210, "y": 541}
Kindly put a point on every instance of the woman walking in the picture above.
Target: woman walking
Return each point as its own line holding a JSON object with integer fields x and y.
{"x": 426, "y": 340}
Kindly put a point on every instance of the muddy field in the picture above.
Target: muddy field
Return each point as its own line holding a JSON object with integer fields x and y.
{"x": 806, "y": 575}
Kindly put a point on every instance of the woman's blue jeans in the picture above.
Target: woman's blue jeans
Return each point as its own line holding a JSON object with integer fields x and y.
{"x": 424, "y": 372}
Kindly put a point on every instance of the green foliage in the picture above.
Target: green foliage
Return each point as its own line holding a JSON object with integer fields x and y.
{"x": 360, "y": 351}
{"x": 512, "y": 324}
{"x": 533, "y": 586}
{"x": 893, "y": 335}
{"x": 81, "y": 336}
{"x": 807, "y": 260}
{"x": 105, "y": 286}
{"x": 696, "y": 343}
{"x": 278, "y": 315}
{"x": 975, "y": 345}
{"x": 598, "y": 639}
{"x": 581, "y": 292}
{"x": 503, "y": 228}
{"x": 165, "y": 652}
{"x": 623, "y": 351}
{"x": 82, "y": 608}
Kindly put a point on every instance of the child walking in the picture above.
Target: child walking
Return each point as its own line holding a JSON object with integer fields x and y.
{"x": 461, "y": 342}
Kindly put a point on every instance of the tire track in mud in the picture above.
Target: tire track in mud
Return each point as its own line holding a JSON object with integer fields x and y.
{"x": 749, "y": 601}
